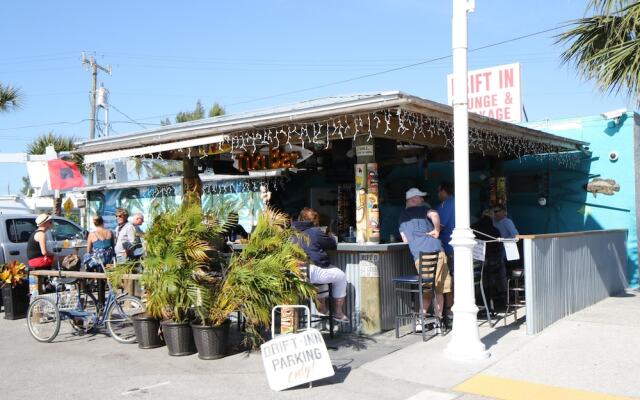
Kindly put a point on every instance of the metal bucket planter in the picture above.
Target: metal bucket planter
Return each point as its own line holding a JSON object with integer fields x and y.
{"x": 178, "y": 337}
{"x": 147, "y": 332}
{"x": 15, "y": 301}
{"x": 212, "y": 341}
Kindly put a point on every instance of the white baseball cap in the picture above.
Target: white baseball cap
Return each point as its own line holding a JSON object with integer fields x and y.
{"x": 413, "y": 192}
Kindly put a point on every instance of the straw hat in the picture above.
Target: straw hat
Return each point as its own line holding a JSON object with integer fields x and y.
{"x": 43, "y": 218}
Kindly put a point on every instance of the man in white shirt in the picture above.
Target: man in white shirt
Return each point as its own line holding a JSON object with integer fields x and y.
{"x": 125, "y": 235}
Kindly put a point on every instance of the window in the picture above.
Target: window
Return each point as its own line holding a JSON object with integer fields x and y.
{"x": 20, "y": 229}
{"x": 63, "y": 230}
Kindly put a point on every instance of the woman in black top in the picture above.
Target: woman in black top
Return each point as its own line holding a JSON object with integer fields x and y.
{"x": 37, "y": 253}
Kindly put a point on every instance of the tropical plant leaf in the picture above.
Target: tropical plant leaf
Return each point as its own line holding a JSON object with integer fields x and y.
{"x": 605, "y": 47}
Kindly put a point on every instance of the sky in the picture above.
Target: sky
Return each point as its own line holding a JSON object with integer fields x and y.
{"x": 248, "y": 55}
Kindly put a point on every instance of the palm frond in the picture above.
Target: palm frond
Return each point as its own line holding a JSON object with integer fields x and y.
{"x": 264, "y": 274}
{"x": 606, "y": 47}
{"x": 10, "y": 98}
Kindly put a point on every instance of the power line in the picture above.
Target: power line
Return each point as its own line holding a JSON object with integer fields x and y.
{"x": 313, "y": 87}
{"x": 395, "y": 69}
{"x": 128, "y": 117}
{"x": 48, "y": 124}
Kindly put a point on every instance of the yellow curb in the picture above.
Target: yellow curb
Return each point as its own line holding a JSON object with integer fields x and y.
{"x": 511, "y": 389}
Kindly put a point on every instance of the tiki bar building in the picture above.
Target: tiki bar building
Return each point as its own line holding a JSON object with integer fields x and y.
{"x": 352, "y": 159}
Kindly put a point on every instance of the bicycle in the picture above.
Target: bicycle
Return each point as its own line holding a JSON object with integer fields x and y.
{"x": 44, "y": 315}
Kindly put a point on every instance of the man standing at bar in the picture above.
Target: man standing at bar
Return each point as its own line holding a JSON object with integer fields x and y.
{"x": 447, "y": 213}
{"x": 505, "y": 225}
{"x": 420, "y": 228}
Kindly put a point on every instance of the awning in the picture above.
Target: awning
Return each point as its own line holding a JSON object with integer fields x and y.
{"x": 158, "y": 148}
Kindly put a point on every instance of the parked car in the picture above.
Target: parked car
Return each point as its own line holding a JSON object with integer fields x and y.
{"x": 64, "y": 238}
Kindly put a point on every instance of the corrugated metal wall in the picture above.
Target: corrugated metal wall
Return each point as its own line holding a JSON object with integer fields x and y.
{"x": 565, "y": 274}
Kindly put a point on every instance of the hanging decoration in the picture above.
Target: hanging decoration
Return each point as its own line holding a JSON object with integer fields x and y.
{"x": 395, "y": 123}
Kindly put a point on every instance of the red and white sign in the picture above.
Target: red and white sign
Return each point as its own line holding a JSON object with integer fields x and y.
{"x": 493, "y": 92}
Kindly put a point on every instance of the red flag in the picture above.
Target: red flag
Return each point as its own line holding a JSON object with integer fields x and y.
{"x": 64, "y": 175}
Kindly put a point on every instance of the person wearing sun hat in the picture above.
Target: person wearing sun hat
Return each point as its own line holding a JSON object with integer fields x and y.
{"x": 37, "y": 252}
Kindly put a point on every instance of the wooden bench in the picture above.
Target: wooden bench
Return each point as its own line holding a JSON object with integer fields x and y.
{"x": 100, "y": 276}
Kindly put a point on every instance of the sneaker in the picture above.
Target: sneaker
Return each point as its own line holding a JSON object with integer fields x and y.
{"x": 344, "y": 318}
{"x": 418, "y": 327}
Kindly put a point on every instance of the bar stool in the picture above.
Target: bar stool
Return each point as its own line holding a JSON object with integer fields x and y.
{"x": 418, "y": 284}
{"x": 478, "y": 273}
{"x": 515, "y": 293}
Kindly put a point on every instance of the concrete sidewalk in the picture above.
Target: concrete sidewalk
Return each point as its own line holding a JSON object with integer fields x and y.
{"x": 592, "y": 353}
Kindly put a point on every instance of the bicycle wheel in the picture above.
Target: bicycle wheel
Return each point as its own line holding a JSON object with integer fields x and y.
{"x": 119, "y": 318}
{"x": 86, "y": 302}
{"x": 43, "y": 320}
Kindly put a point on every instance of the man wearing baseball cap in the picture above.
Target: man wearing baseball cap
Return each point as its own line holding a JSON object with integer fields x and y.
{"x": 420, "y": 228}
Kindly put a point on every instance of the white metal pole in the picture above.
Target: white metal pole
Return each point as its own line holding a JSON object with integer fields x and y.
{"x": 465, "y": 341}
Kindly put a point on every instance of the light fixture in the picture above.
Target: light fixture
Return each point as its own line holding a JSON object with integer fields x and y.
{"x": 542, "y": 201}
{"x": 615, "y": 115}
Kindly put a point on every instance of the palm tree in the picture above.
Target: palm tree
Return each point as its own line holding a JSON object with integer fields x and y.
{"x": 10, "y": 98}
{"x": 60, "y": 143}
{"x": 606, "y": 46}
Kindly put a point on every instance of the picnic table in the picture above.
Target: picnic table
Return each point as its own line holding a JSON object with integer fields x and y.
{"x": 101, "y": 277}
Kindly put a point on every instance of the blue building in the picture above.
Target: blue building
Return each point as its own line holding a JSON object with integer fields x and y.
{"x": 597, "y": 189}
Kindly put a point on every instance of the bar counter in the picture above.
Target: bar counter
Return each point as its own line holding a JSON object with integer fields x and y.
{"x": 370, "y": 269}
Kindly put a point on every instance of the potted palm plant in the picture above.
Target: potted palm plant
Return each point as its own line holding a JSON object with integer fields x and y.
{"x": 178, "y": 254}
{"x": 211, "y": 328}
{"x": 15, "y": 291}
{"x": 264, "y": 274}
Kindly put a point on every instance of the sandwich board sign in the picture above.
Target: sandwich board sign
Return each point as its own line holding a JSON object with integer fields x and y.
{"x": 295, "y": 359}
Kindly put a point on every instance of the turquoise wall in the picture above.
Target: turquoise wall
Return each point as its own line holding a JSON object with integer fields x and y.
{"x": 570, "y": 207}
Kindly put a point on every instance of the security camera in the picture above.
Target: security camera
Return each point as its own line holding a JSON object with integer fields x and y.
{"x": 614, "y": 114}
{"x": 613, "y": 156}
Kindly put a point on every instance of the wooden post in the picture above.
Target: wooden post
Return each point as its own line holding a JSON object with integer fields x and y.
{"x": 367, "y": 211}
{"x": 191, "y": 183}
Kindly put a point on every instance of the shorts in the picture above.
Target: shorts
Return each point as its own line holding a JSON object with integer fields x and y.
{"x": 450, "y": 263}
{"x": 42, "y": 262}
{"x": 443, "y": 278}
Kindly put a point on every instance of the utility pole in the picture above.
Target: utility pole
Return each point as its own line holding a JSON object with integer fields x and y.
{"x": 94, "y": 66}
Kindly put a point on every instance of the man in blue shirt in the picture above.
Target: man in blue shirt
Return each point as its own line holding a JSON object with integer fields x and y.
{"x": 447, "y": 213}
{"x": 502, "y": 223}
{"x": 420, "y": 228}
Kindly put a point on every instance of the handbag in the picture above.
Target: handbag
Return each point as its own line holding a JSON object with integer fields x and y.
{"x": 71, "y": 262}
